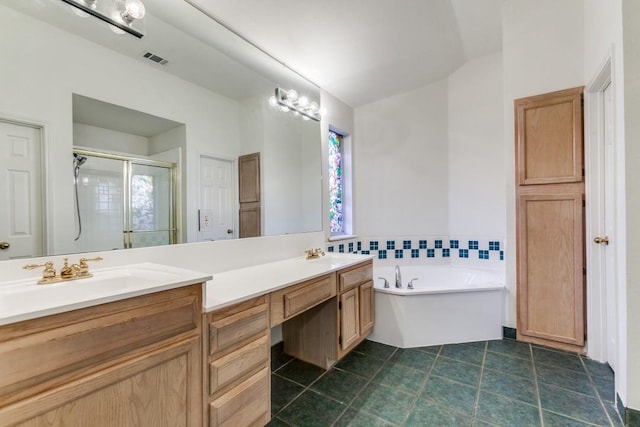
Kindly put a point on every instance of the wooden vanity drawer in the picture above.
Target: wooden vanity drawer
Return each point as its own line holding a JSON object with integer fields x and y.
{"x": 227, "y": 330}
{"x": 355, "y": 277}
{"x": 247, "y": 404}
{"x": 233, "y": 366}
{"x": 289, "y": 302}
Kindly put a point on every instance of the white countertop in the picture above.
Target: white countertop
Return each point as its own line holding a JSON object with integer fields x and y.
{"x": 239, "y": 285}
{"x": 25, "y": 299}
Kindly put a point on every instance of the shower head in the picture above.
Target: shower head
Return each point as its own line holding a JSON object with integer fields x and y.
{"x": 78, "y": 160}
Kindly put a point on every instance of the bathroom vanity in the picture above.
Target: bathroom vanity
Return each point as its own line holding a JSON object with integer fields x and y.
{"x": 181, "y": 352}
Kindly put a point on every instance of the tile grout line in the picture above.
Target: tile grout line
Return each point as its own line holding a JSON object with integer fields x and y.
{"x": 422, "y": 386}
{"x": 474, "y": 414}
{"x": 535, "y": 382}
{"x": 369, "y": 380}
{"x": 593, "y": 384}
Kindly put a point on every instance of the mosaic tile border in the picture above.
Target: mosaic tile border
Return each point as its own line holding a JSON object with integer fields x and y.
{"x": 434, "y": 248}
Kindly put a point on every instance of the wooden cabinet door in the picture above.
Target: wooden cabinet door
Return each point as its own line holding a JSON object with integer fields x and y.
{"x": 159, "y": 388}
{"x": 550, "y": 269}
{"x": 366, "y": 307}
{"x": 249, "y": 177}
{"x": 349, "y": 318}
{"x": 549, "y": 138}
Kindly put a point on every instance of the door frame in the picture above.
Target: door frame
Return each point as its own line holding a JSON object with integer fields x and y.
{"x": 45, "y": 182}
{"x": 597, "y": 313}
{"x": 234, "y": 188}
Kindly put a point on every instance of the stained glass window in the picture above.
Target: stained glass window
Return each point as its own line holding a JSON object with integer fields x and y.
{"x": 336, "y": 214}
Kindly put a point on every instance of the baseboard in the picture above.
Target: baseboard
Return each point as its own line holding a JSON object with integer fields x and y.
{"x": 630, "y": 417}
{"x": 509, "y": 333}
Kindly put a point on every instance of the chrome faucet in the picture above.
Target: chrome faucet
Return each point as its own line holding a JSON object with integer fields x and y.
{"x": 398, "y": 277}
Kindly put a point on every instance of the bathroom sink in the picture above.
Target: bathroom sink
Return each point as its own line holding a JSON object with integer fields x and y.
{"x": 26, "y": 298}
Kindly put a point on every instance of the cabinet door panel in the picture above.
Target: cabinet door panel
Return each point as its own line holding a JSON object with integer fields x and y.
{"x": 349, "y": 318}
{"x": 549, "y": 138}
{"x": 366, "y": 307}
{"x": 550, "y": 267}
{"x": 160, "y": 388}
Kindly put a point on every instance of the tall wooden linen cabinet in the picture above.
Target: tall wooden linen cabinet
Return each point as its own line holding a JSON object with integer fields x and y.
{"x": 550, "y": 219}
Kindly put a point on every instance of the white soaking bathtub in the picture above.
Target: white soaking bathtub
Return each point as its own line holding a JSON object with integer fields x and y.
{"x": 449, "y": 304}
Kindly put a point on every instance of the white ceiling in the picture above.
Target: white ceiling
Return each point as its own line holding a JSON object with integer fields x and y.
{"x": 365, "y": 50}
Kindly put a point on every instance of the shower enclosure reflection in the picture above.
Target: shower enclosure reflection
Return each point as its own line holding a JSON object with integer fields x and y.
{"x": 123, "y": 202}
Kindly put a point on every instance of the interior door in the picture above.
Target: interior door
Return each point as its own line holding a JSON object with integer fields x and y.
{"x": 21, "y": 210}
{"x": 215, "y": 216}
{"x": 608, "y": 226}
{"x": 249, "y": 195}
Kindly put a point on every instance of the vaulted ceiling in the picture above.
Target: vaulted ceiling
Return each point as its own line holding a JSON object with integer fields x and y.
{"x": 364, "y": 50}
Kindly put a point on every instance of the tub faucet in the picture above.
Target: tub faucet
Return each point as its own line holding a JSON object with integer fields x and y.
{"x": 398, "y": 277}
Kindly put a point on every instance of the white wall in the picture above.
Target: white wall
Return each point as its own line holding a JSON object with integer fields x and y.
{"x": 43, "y": 70}
{"x": 631, "y": 37}
{"x": 542, "y": 48}
{"x": 477, "y": 191}
{"x": 102, "y": 139}
{"x": 401, "y": 180}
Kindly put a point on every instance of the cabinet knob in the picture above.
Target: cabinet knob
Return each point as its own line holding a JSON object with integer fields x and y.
{"x": 600, "y": 240}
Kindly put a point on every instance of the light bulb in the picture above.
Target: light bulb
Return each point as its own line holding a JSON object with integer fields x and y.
{"x": 284, "y": 108}
{"x": 272, "y": 101}
{"x": 303, "y": 101}
{"x": 313, "y": 108}
{"x": 133, "y": 9}
{"x": 292, "y": 95}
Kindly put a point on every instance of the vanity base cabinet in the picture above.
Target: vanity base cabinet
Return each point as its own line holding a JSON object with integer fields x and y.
{"x": 237, "y": 371}
{"x": 135, "y": 362}
{"x": 325, "y": 333}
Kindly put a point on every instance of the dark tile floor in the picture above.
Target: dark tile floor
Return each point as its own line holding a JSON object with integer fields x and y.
{"x": 487, "y": 383}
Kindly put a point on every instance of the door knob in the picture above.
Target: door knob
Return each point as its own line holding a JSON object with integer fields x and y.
{"x": 229, "y": 231}
{"x": 599, "y": 240}
{"x": 4, "y": 245}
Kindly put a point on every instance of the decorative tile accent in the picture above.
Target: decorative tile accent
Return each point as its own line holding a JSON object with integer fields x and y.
{"x": 411, "y": 248}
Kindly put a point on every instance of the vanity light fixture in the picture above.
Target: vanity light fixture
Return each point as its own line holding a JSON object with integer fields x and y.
{"x": 123, "y": 16}
{"x": 289, "y": 100}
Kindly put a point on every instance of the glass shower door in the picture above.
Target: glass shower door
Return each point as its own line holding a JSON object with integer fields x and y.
{"x": 151, "y": 211}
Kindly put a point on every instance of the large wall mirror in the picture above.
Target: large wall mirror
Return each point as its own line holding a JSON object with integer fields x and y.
{"x": 89, "y": 116}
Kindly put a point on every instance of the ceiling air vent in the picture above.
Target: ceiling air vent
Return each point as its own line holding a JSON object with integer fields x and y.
{"x": 155, "y": 58}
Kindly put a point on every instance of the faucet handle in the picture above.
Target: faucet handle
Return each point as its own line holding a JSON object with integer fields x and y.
{"x": 48, "y": 272}
{"x": 386, "y": 282}
{"x": 84, "y": 267}
{"x": 410, "y": 284}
